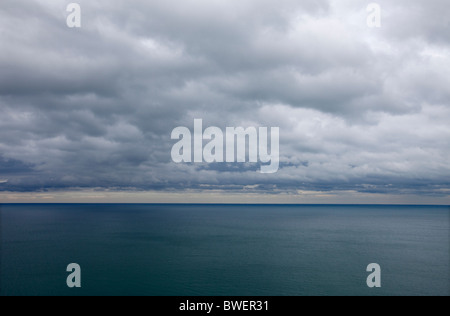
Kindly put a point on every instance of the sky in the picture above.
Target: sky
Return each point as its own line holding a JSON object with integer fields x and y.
{"x": 86, "y": 114}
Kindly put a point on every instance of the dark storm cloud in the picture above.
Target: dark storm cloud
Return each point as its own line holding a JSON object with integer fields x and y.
{"x": 358, "y": 108}
{"x": 12, "y": 166}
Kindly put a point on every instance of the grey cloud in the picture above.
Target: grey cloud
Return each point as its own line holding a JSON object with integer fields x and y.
{"x": 358, "y": 109}
{"x": 428, "y": 20}
{"x": 12, "y": 166}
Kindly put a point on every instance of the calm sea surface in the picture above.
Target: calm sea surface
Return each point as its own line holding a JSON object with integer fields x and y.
{"x": 224, "y": 250}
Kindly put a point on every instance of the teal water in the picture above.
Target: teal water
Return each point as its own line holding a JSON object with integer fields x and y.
{"x": 224, "y": 250}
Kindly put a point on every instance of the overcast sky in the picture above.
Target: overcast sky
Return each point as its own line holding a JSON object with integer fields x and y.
{"x": 86, "y": 114}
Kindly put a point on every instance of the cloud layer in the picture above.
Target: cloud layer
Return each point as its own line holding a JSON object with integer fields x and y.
{"x": 359, "y": 109}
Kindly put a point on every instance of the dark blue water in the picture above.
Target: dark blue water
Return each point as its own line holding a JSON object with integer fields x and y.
{"x": 224, "y": 250}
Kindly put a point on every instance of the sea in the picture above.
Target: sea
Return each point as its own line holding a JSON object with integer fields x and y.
{"x": 224, "y": 250}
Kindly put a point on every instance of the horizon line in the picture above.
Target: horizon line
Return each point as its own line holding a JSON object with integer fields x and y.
{"x": 229, "y": 204}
